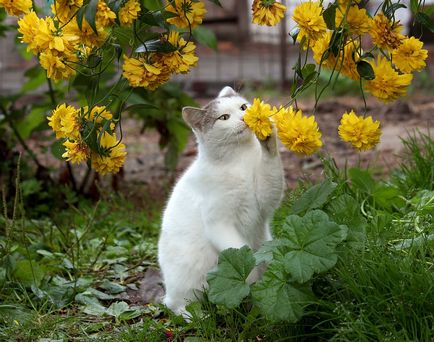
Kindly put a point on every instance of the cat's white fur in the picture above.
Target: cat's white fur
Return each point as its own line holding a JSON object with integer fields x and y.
{"x": 226, "y": 198}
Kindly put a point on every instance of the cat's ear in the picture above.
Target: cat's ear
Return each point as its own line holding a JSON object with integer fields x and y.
{"x": 227, "y": 92}
{"x": 193, "y": 116}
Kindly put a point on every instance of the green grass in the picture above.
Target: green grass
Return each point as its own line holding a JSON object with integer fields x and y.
{"x": 62, "y": 274}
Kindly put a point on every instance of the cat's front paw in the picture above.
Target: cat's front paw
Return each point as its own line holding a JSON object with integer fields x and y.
{"x": 270, "y": 143}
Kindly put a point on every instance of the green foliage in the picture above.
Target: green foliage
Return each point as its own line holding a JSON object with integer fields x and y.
{"x": 228, "y": 283}
{"x": 416, "y": 171}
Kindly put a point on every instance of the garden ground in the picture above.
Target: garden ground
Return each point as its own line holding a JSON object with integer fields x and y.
{"x": 88, "y": 271}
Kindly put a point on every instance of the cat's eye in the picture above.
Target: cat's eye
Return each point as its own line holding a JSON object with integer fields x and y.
{"x": 243, "y": 107}
{"x": 224, "y": 117}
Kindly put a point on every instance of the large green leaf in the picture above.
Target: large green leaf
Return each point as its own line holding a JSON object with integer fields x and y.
{"x": 227, "y": 284}
{"x": 346, "y": 210}
{"x": 313, "y": 198}
{"x": 278, "y": 299}
{"x": 312, "y": 241}
{"x": 28, "y": 273}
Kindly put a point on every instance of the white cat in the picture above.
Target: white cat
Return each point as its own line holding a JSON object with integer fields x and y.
{"x": 226, "y": 198}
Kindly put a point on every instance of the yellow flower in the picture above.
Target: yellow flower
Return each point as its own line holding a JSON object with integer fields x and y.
{"x": 319, "y": 51}
{"x": 28, "y": 27}
{"x": 349, "y": 57}
{"x": 410, "y": 56}
{"x": 308, "y": 16}
{"x": 267, "y": 12}
{"x": 344, "y": 62}
{"x": 16, "y": 7}
{"x": 257, "y": 118}
{"x": 129, "y": 12}
{"x": 76, "y": 152}
{"x": 363, "y": 133}
{"x": 105, "y": 17}
{"x": 86, "y": 36}
{"x": 140, "y": 73}
{"x": 189, "y": 14}
{"x": 181, "y": 60}
{"x": 56, "y": 65}
{"x": 357, "y": 19}
{"x": 297, "y": 132}
{"x": 387, "y": 85}
{"x": 384, "y": 33}
{"x": 63, "y": 10}
{"x": 63, "y": 115}
{"x": 114, "y": 157}
{"x": 97, "y": 114}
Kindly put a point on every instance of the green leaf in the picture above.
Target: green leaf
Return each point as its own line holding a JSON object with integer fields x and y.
{"x": 113, "y": 288}
{"x": 278, "y": 299}
{"x": 156, "y": 45}
{"x": 425, "y": 20}
{"x": 429, "y": 10}
{"x": 294, "y": 33}
{"x": 36, "y": 77}
{"x": 314, "y": 197}
{"x": 365, "y": 70}
{"x": 362, "y": 180}
{"x": 28, "y": 273}
{"x": 152, "y": 5}
{"x": 414, "y": 6}
{"x": 95, "y": 309}
{"x": 307, "y": 70}
{"x": 117, "y": 309}
{"x": 90, "y": 14}
{"x": 205, "y": 37}
{"x": 387, "y": 196}
{"x": 33, "y": 120}
{"x": 57, "y": 149}
{"x": 345, "y": 210}
{"x": 390, "y": 10}
{"x": 329, "y": 16}
{"x": 227, "y": 284}
{"x": 80, "y": 16}
{"x": 312, "y": 241}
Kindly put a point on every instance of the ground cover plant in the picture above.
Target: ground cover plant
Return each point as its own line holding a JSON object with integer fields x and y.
{"x": 351, "y": 260}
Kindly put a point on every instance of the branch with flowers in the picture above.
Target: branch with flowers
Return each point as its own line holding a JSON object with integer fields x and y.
{"x": 150, "y": 41}
{"x": 84, "y": 41}
{"x": 347, "y": 39}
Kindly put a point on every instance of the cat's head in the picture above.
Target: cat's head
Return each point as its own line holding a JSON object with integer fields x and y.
{"x": 220, "y": 122}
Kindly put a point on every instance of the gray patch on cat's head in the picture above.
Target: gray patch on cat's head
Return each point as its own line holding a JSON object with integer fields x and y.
{"x": 200, "y": 119}
{"x": 203, "y": 119}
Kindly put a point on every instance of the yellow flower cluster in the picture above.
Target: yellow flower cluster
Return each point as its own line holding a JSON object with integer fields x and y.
{"x": 154, "y": 69}
{"x": 342, "y": 52}
{"x": 363, "y": 133}
{"x": 297, "y": 132}
{"x": 16, "y": 7}
{"x": 75, "y": 126}
{"x": 267, "y": 12}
